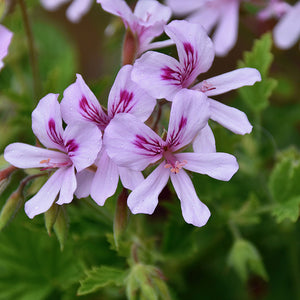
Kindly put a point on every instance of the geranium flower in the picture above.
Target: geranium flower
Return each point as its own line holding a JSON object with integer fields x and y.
{"x": 287, "y": 32}
{"x": 75, "y": 11}
{"x": 130, "y": 143}
{"x": 163, "y": 76}
{"x": 5, "y": 39}
{"x": 76, "y": 147}
{"x": 222, "y": 14}
{"x": 146, "y": 22}
{"x": 80, "y": 104}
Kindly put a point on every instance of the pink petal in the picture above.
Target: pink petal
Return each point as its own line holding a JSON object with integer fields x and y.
{"x": 205, "y": 141}
{"x": 68, "y": 186}
{"x": 129, "y": 178}
{"x": 118, "y": 8}
{"x": 127, "y": 97}
{"x": 221, "y": 166}
{"x": 287, "y": 31}
{"x": 47, "y": 122}
{"x": 195, "y": 48}
{"x": 26, "y": 156}
{"x": 193, "y": 210}
{"x": 189, "y": 114}
{"x": 45, "y": 197}
{"x": 84, "y": 182}
{"x": 5, "y": 39}
{"x": 77, "y": 9}
{"x": 228, "y": 81}
{"x": 159, "y": 69}
{"x": 106, "y": 179}
{"x": 132, "y": 144}
{"x": 144, "y": 199}
{"x": 80, "y": 104}
{"x": 83, "y": 143}
{"x": 181, "y": 8}
{"x": 225, "y": 35}
{"x": 229, "y": 117}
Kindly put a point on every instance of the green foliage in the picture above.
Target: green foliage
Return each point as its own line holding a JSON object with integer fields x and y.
{"x": 260, "y": 58}
{"x": 97, "y": 278}
{"x": 245, "y": 258}
{"x": 285, "y": 188}
{"x": 31, "y": 265}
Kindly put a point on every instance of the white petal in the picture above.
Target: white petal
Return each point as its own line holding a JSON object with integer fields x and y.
{"x": 161, "y": 71}
{"x": 5, "y": 39}
{"x": 77, "y": 9}
{"x": 118, "y": 8}
{"x": 80, "y": 104}
{"x": 129, "y": 178}
{"x": 229, "y": 117}
{"x": 228, "y": 81}
{"x": 44, "y": 199}
{"x": 195, "y": 48}
{"x": 189, "y": 114}
{"x": 68, "y": 186}
{"x": 47, "y": 122}
{"x": 225, "y": 35}
{"x": 84, "y": 182}
{"x": 26, "y": 156}
{"x": 144, "y": 198}
{"x": 132, "y": 144}
{"x": 83, "y": 143}
{"x": 193, "y": 210}
{"x": 205, "y": 141}
{"x": 221, "y": 166}
{"x": 126, "y": 96}
{"x": 105, "y": 181}
{"x": 207, "y": 16}
{"x": 180, "y": 7}
{"x": 53, "y": 4}
{"x": 287, "y": 31}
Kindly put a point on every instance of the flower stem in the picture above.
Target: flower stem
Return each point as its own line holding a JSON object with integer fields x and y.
{"x": 32, "y": 50}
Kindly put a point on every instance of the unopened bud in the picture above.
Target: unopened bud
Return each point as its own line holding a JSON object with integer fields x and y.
{"x": 121, "y": 216}
{"x": 61, "y": 226}
{"x": 10, "y": 208}
{"x": 130, "y": 47}
{"x": 50, "y": 217}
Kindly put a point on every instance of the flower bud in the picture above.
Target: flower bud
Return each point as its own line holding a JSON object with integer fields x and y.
{"x": 130, "y": 47}
{"x": 10, "y": 208}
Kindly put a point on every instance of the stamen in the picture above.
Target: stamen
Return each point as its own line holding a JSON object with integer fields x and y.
{"x": 206, "y": 86}
{"x": 178, "y": 166}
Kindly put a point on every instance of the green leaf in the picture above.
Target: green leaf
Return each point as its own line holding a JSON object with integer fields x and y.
{"x": 98, "y": 278}
{"x": 285, "y": 189}
{"x": 50, "y": 217}
{"x": 288, "y": 210}
{"x": 260, "y": 58}
{"x": 244, "y": 258}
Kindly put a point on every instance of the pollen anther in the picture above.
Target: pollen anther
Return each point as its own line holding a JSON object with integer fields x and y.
{"x": 178, "y": 166}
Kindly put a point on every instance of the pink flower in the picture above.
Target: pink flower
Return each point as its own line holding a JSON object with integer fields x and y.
{"x": 146, "y": 22}
{"x": 222, "y": 14}
{"x": 5, "y": 39}
{"x": 130, "y": 143}
{"x": 79, "y": 104}
{"x": 163, "y": 76}
{"x": 287, "y": 32}
{"x": 76, "y": 10}
{"x": 76, "y": 147}
{"x": 275, "y": 8}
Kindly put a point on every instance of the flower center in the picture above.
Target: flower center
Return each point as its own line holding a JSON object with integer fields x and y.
{"x": 47, "y": 164}
{"x": 206, "y": 86}
{"x": 175, "y": 168}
